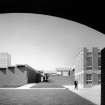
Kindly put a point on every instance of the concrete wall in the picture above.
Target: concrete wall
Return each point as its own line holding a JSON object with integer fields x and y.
{"x": 79, "y": 67}
{"x": 79, "y": 77}
{"x": 12, "y": 77}
{"x": 72, "y": 76}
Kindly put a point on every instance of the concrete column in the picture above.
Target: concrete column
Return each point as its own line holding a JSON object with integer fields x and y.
{"x": 72, "y": 75}
{"x": 85, "y": 50}
{"x": 61, "y": 73}
{"x": 95, "y": 66}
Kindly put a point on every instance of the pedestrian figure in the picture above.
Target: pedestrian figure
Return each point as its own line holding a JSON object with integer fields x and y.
{"x": 46, "y": 77}
{"x": 76, "y": 84}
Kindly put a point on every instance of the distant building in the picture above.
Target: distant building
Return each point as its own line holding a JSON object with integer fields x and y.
{"x": 53, "y": 73}
{"x": 88, "y": 67}
{"x": 5, "y": 60}
{"x": 67, "y": 72}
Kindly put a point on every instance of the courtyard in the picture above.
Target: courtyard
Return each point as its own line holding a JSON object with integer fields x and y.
{"x": 46, "y": 93}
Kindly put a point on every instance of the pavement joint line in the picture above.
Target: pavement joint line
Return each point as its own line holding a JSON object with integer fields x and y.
{"x": 28, "y": 88}
{"x": 48, "y": 88}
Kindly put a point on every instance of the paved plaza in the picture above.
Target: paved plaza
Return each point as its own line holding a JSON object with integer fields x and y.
{"x": 41, "y": 97}
{"x": 44, "y": 93}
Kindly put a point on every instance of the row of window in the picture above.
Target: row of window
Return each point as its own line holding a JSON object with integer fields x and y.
{"x": 90, "y": 82}
{"x": 89, "y": 61}
{"x": 89, "y": 78}
{"x": 90, "y": 53}
{"x": 90, "y": 68}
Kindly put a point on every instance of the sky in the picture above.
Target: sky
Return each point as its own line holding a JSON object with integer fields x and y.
{"x": 45, "y": 42}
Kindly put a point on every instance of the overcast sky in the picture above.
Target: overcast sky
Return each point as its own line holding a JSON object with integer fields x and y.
{"x": 45, "y": 42}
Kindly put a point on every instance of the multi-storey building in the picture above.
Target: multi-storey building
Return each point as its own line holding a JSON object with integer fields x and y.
{"x": 5, "y": 60}
{"x": 88, "y": 67}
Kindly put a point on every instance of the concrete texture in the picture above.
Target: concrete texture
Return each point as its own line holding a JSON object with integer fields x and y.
{"x": 13, "y": 79}
{"x": 93, "y": 94}
{"x": 41, "y": 97}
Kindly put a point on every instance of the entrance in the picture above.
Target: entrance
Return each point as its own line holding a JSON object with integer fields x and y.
{"x": 33, "y": 76}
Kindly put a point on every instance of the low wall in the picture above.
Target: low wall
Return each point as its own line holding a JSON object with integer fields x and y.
{"x": 12, "y": 77}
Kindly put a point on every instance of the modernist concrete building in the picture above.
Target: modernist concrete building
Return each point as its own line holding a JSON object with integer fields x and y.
{"x": 15, "y": 76}
{"x": 5, "y": 60}
{"x": 67, "y": 71}
{"x": 88, "y": 67}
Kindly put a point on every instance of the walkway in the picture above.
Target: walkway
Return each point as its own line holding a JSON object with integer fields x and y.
{"x": 41, "y": 97}
{"x": 27, "y": 86}
{"x": 51, "y": 93}
{"x": 93, "y": 94}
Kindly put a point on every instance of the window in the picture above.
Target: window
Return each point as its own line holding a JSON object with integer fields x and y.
{"x": 89, "y": 82}
{"x": 99, "y": 53}
{"x": 99, "y": 61}
{"x": 89, "y": 68}
{"x": 89, "y": 77}
{"x": 89, "y": 54}
{"x": 99, "y": 67}
{"x": 89, "y": 61}
{"x": 99, "y": 78}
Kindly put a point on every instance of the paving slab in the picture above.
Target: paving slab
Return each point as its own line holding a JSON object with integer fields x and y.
{"x": 41, "y": 97}
{"x": 93, "y": 93}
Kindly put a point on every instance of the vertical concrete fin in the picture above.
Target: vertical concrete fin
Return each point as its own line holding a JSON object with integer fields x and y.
{"x": 21, "y": 68}
{"x": 12, "y": 69}
{"x": 3, "y": 70}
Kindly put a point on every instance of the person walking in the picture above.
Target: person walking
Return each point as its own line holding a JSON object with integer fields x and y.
{"x": 76, "y": 85}
{"x": 46, "y": 77}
